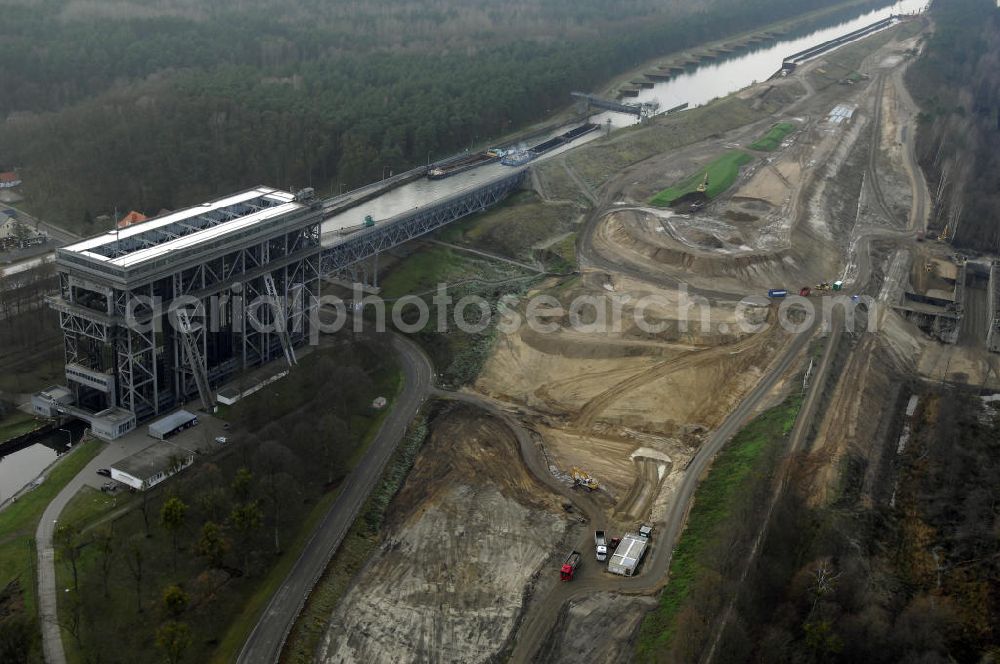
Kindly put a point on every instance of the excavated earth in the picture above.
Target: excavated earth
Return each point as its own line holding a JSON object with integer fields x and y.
{"x": 472, "y": 534}
{"x": 468, "y": 531}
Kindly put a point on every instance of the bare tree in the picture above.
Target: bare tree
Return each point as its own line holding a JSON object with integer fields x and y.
{"x": 134, "y": 559}
{"x": 105, "y": 542}
{"x": 67, "y": 543}
{"x": 275, "y": 460}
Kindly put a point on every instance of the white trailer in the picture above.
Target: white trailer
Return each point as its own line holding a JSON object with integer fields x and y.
{"x": 628, "y": 555}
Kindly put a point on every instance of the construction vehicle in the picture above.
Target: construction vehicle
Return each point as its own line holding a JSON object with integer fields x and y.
{"x": 777, "y": 292}
{"x": 805, "y": 291}
{"x": 582, "y": 478}
{"x": 569, "y": 566}
{"x": 920, "y": 236}
{"x": 943, "y": 237}
{"x": 601, "y": 545}
{"x": 369, "y": 222}
{"x": 838, "y": 285}
{"x": 823, "y": 286}
{"x": 703, "y": 187}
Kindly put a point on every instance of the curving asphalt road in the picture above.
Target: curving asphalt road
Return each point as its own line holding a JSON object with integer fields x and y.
{"x": 268, "y": 637}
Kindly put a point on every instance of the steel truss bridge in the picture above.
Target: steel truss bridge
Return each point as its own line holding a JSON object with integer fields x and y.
{"x": 369, "y": 242}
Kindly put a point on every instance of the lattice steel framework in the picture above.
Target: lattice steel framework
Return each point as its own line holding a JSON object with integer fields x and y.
{"x": 403, "y": 228}
{"x": 118, "y": 325}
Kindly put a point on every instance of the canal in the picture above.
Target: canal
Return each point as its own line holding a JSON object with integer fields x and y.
{"x": 695, "y": 87}
{"x": 21, "y": 467}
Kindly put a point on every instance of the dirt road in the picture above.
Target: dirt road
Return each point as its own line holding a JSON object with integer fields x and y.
{"x": 544, "y": 611}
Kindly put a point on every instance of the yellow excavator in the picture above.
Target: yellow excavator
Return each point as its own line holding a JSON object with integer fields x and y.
{"x": 582, "y": 478}
{"x": 703, "y": 187}
{"x": 943, "y": 237}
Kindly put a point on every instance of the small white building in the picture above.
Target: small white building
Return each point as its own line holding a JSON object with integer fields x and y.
{"x": 47, "y": 402}
{"x": 151, "y": 466}
{"x": 112, "y": 423}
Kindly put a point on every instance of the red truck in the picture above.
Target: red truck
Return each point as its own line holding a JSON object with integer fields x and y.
{"x": 569, "y": 566}
{"x": 805, "y": 291}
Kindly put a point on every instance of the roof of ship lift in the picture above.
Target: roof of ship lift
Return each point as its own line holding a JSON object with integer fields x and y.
{"x": 284, "y": 203}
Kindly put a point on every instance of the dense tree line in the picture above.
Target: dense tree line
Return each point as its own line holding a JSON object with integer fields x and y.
{"x": 957, "y": 83}
{"x": 911, "y": 574}
{"x": 153, "y": 105}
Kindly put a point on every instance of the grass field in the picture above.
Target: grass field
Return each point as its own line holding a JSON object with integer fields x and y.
{"x": 88, "y": 505}
{"x": 16, "y": 424}
{"x": 515, "y": 227}
{"x": 770, "y": 141}
{"x": 722, "y": 173}
{"x": 19, "y": 520}
{"x": 714, "y": 501}
{"x": 423, "y": 271}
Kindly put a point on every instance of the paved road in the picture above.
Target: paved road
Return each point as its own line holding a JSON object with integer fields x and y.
{"x": 268, "y": 636}
{"x": 60, "y": 235}
{"x": 52, "y": 646}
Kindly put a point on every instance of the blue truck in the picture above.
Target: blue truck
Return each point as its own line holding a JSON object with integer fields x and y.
{"x": 777, "y": 292}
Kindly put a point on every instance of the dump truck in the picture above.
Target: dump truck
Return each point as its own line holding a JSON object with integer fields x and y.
{"x": 569, "y": 566}
{"x": 601, "y": 545}
{"x": 777, "y": 292}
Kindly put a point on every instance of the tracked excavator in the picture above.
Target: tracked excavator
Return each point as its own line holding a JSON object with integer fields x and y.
{"x": 583, "y": 479}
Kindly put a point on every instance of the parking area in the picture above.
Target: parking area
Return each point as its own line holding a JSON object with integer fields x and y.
{"x": 200, "y": 440}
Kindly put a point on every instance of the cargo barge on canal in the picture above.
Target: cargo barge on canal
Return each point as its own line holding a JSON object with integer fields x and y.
{"x": 462, "y": 164}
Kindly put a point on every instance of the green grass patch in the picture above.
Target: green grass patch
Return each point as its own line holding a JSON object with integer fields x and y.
{"x": 358, "y": 545}
{"x": 19, "y": 520}
{"x": 722, "y": 173}
{"x": 714, "y": 500}
{"x": 561, "y": 256}
{"x": 16, "y": 424}
{"x": 423, "y": 271}
{"x": 88, "y": 505}
{"x": 514, "y": 227}
{"x": 770, "y": 141}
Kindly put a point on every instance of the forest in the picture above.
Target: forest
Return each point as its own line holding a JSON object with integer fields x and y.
{"x": 900, "y": 570}
{"x": 957, "y": 84}
{"x": 152, "y": 104}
